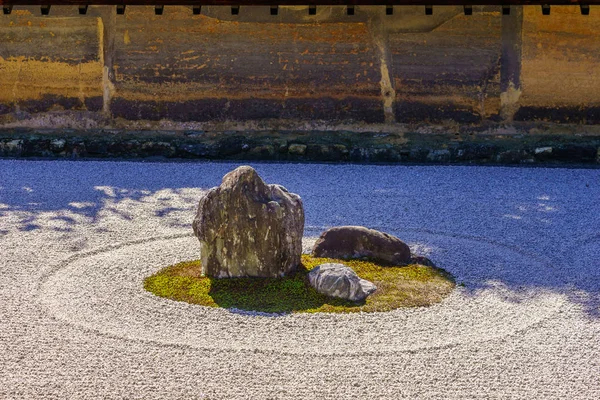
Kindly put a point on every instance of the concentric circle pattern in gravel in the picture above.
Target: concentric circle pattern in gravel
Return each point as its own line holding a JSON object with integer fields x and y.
{"x": 77, "y": 239}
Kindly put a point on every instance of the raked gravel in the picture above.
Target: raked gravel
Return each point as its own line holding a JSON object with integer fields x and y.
{"x": 77, "y": 239}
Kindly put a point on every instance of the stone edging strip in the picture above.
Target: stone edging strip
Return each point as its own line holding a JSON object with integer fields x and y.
{"x": 467, "y": 147}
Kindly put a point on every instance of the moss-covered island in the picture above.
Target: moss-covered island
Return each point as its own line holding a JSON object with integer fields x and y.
{"x": 406, "y": 286}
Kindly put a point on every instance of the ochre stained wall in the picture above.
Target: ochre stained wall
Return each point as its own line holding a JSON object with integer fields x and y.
{"x": 450, "y": 72}
{"x": 560, "y": 65}
{"x": 50, "y": 64}
{"x": 185, "y": 67}
{"x": 371, "y": 68}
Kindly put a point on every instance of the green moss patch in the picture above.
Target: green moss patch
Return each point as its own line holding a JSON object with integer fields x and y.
{"x": 408, "y": 286}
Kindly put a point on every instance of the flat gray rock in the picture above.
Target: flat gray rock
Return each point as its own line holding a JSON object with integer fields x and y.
{"x": 339, "y": 280}
{"x": 247, "y": 228}
{"x": 358, "y": 242}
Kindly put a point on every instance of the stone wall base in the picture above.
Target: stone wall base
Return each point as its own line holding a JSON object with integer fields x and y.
{"x": 499, "y": 144}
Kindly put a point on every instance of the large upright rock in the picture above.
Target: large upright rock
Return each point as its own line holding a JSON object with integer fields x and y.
{"x": 248, "y": 228}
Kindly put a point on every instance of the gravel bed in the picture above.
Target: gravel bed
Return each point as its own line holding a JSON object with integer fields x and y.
{"x": 77, "y": 238}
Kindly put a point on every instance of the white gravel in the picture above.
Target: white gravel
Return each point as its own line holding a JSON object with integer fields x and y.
{"x": 77, "y": 238}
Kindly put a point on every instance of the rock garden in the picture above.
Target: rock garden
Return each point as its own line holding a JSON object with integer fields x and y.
{"x": 251, "y": 259}
{"x": 240, "y": 319}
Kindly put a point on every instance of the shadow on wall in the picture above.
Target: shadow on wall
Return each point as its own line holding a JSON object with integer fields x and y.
{"x": 527, "y": 231}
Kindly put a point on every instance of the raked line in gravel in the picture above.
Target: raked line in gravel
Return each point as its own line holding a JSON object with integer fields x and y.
{"x": 102, "y": 291}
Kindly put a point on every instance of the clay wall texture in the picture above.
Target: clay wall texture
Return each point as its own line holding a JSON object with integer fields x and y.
{"x": 370, "y": 68}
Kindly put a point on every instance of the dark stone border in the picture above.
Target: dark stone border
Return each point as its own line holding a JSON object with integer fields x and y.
{"x": 468, "y": 146}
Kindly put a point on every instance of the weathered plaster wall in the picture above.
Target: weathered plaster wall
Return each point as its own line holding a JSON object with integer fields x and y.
{"x": 451, "y": 72}
{"x": 560, "y": 66}
{"x": 50, "y": 64}
{"x": 195, "y": 68}
{"x": 179, "y": 69}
